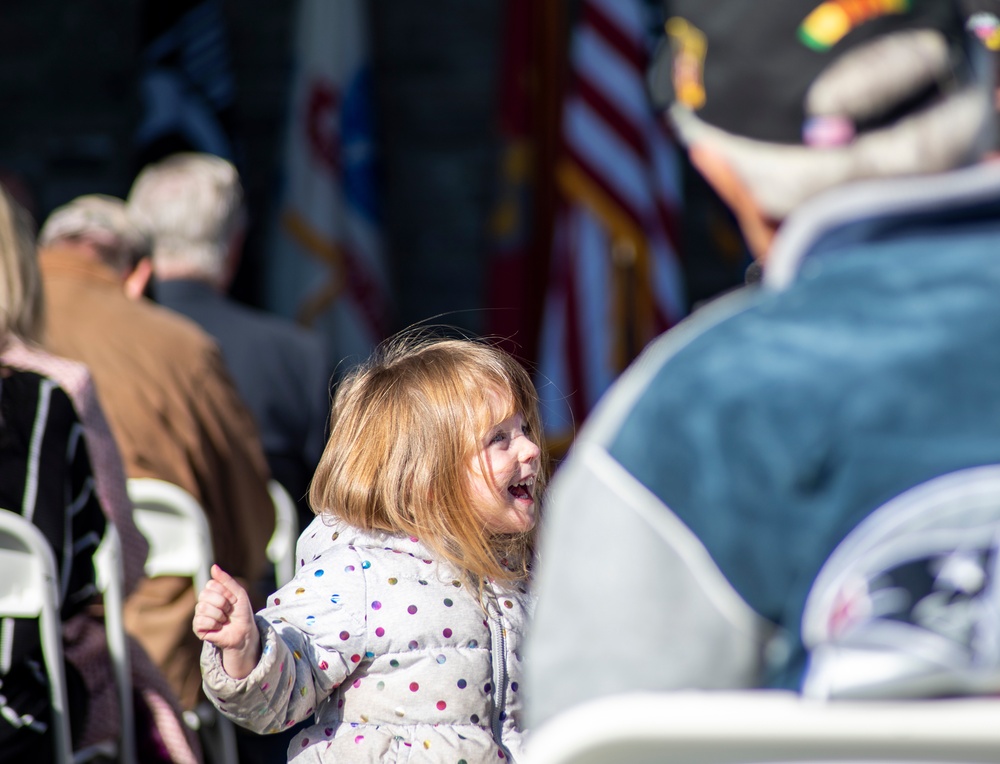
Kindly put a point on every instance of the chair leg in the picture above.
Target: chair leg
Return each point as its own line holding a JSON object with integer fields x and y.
{"x": 216, "y": 732}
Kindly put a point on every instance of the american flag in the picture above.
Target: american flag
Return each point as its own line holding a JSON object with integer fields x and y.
{"x": 616, "y": 279}
{"x": 326, "y": 264}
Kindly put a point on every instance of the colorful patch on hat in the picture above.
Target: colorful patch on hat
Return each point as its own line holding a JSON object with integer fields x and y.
{"x": 831, "y": 21}
{"x": 986, "y": 27}
{"x": 689, "y": 48}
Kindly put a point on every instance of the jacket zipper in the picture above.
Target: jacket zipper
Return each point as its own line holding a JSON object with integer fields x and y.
{"x": 498, "y": 638}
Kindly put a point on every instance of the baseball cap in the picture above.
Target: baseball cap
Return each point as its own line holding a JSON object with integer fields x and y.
{"x": 747, "y": 66}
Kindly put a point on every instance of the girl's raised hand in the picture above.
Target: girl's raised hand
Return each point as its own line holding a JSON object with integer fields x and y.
{"x": 223, "y": 616}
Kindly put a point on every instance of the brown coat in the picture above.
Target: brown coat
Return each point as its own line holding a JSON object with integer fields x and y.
{"x": 176, "y": 416}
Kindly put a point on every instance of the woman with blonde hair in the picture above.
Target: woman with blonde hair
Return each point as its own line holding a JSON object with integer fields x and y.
{"x": 21, "y": 337}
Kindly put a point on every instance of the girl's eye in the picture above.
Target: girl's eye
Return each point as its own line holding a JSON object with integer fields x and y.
{"x": 498, "y": 437}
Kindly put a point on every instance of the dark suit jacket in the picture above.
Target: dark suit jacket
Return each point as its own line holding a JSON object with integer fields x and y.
{"x": 280, "y": 370}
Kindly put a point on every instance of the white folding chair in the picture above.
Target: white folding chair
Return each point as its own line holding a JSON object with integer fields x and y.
{"x": 180, "y": 544}
{"x": 281, "y": 547}
{"x": 28, "y": 589}
{"x": 764, "y": 726}
{"x": 111, "y": 584}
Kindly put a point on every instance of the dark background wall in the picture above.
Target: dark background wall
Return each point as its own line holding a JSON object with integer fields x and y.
{"x": 68, "y": 96}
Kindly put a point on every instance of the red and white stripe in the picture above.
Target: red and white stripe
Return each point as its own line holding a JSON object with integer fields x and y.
{"x": 616, "y": 280}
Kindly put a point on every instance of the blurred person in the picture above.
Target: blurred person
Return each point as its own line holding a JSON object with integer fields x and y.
{"x": 45, "y": 477}
{"x": 193, "y": 206}
{"x": 86, "y": 642}
{"x": 172, "y": 407}
{"x": 703, "y": 525}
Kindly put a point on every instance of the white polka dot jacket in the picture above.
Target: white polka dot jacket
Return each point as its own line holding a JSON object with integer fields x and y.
{"x": 390, "y": 649}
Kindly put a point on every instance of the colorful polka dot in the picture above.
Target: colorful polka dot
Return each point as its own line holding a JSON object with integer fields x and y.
{"x": 441, "y": 659}
{"x": 355, "y": 658}
{"x": 400, "y": 712}
{"x": 335, "y": 536}
{"x": 369, "y": 654}
{"x": 474, "y": 718}
{"x": 394, "y": 663}
{"x": 422, "y": 583}
{"x": 297, "y": 655}
{"x": 447, "y": 633}
{"x": 379, "y": 632}
{"x": 345, "y": 635}
{"x": 508, "y": 604}
{"x": 441, "y": 705}
{"x": 366, "y": 564}
{"x": 310, "y": 620}
{"x": 349, "y": 569}
{"x": 319, "y": 573}
{"x": 328, "y": 731}
{"x": 277, "y": 601}
{"x": 380, "y": 686}
{"x": 414, "y": 686}
{"x": 359, "y": 739}
{"x": 413, "y": 644}
{"x": 456, "y": 583}
{"x": 300, "y": 590}
{"x": 427, "y": 744}
{"x": 448, "y": 602}
{"x": 487, "y": 687}
{"x": 305, "y": 742}
{"x": 334, "y": 598}
{"x": 357, "y": 683}
{"x": 323, "y": 665}
{"x": 393, "y": 581}
{"x": 376, "y": 605}
{"x": 411, "y": 609}
{"x": 473, "y": 643}
{"x": 462, "y": 684}
{"x": 513, "y": 686}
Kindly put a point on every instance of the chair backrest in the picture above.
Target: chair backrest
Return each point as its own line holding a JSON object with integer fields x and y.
{"x": 111, "y": 584}
{"x": 28, "y": 589}
{"x": 763, "y": 727}
{"x": 174, "y": 524}
{"x": 180, "y": 544}
{"x": 281, "y": 547}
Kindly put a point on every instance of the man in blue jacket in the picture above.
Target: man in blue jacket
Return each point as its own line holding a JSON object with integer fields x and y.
{"x": 792, "y": 488}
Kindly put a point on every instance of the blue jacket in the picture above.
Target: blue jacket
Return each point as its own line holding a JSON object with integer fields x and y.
{"x": 715, "y": 481}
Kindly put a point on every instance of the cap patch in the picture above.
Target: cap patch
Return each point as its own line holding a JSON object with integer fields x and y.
{"x": 986, "y": 27}
{"x": 831, "y": 21}
{"x": 689, "y": 47}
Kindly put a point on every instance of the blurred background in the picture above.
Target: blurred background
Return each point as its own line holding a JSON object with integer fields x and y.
{"x": 487, "y": 164}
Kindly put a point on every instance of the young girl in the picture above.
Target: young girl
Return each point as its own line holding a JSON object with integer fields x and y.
{"x": 402, "y": 628}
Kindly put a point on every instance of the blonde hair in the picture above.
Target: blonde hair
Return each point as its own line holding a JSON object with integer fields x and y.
{"x": 21, "y": 303}
{"x": 404, "y": 429}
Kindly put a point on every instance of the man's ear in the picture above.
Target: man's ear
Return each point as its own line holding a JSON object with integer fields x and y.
{"x": 758, "y": 229}
{"x": 135, "y": 283}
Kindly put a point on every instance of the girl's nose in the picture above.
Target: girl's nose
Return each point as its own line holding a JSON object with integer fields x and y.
{"x": 529, "y": 451}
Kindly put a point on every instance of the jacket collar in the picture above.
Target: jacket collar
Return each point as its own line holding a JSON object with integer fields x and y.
{"x": 858, "y": 212}
{"x": 59, "y": 261}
